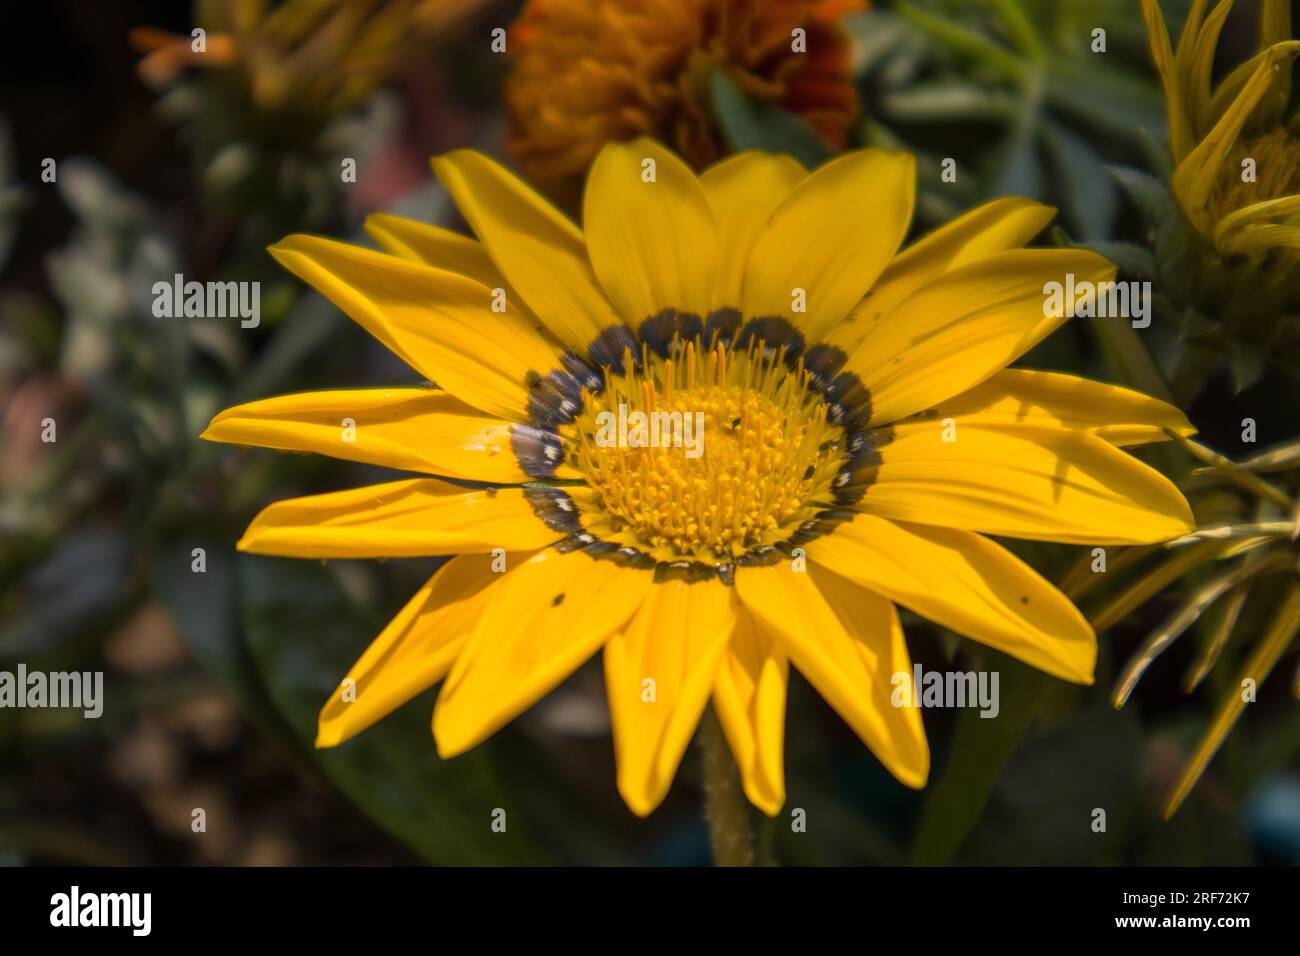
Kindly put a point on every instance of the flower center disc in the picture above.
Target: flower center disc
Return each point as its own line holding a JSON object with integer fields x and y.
{"x": 704, "y": 455}
{"x": 1277, "y": 173}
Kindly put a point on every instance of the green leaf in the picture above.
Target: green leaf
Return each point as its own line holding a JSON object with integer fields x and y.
{"x": 1247, "y": 366}
{"x": 1089, "y": 194}
{"x": 1149, "y": 194}
{"x": 1124, "y": 104}
{"x": 1197, "y": 326}
{"x": 205, "y": 608}
{"x": 948, "y": 100}
{"x": 1156, "y": 154}
{"x": 1127, "y": 355}
{"x": 1132, "y": 259}
{"x": 1015, "y": 168}
{"x": 1042, "y": 812}
{"x": 763, "y": 126}
{"x": 979, "y": 751}
{"x": 967, "y": 43}
{"x": 304, "y": 633}
{"x": 880, "y": 37}
{"x": 1125, "y": 351}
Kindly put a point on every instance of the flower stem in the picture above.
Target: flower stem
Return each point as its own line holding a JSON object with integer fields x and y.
{"x": 724, "y": 800}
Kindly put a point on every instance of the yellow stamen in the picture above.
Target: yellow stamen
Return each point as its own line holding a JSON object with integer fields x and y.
{"x": 733, "y": 453}
{"x": 1276, "y": 157}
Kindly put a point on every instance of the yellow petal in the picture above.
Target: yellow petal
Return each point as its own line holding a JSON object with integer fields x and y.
{"x": 992, "y": 227}
{"x": 966, "y": 325}
{"x": 749, "y": 697}
{"x": 1024, "y": 481}
{"x": 995, "y": 226}
{"x": 415, "y": 429}
{"x": 1181, "y": 137}
{"x": 674, "y": 641}
{"x": 439, "y": 323}
{"x": 1274, "y": 22}
{"x": 1227, "y": 230}
{"x": 848, "y": 643}
{"x": 652, "y": 244}
{"x": 1274, "y": 28}
{"x": 546, "y": 617}
{"x": 442, "y": 249}
{"x": 1255, "y": 240}
{"x": 1195, "y": 178}
{"x": 415, "y": 650}
{"x": 1200, "y": 63}
{"x": 402, "y": 519}
{"x": 1184, "y": 53}
{"x": 967, "y": 584}
{"x": 744, "y": 190}
{"x": 537, "y": 248}
{"x": 830, "y": 239}
{"x": 1026, "y": 397}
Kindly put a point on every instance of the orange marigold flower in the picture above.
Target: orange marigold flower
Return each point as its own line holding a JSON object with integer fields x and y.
{"x": 586, "y": 73}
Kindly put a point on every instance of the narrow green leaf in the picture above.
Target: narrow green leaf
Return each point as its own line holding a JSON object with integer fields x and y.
{"x": 948, "y": 100}
{"x": 1014, "y": 167}
{"x": 1186, "y": 615}
{"x": 1089, "y": 196}
{"x": 1278, "y": 458}
{"x": 1263, "y": 657}
{"x": 1110, "y": 100}
{"x": 979, "y": 752}
{"x": 304, "y": 633}
{"x": 1153, "y": 582}
{"x": 1247, "y": 366}
{"x": 1149, "y": 194}
{"x": 1225, "y": 621}
{"x": 1228, "y": 469}
{"x": 1129, "y": 257}
{"x": 764, "y": 126}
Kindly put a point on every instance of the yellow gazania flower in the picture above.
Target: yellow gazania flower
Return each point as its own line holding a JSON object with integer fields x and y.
{"x": 1211, "y": 133}
{"x": 585, "y": 73}
{"x": 824, "y": 430}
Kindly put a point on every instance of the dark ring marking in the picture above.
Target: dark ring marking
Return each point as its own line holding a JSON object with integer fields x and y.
{"x": 554, "y": 400}
{"x": 555, "y": 509}
{"x": 607, "y": 349}
{"x": 659, "y": 332}
{"x": 721, "y": 328}
{"x": 538, "y": 450}
{"x": 772, "y": 334}
{"x": 823, "y": 363}
{"x": 862, "y": 463}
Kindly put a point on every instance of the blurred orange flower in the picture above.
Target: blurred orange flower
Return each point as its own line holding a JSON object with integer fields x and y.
{"x": 586, "y": 73}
